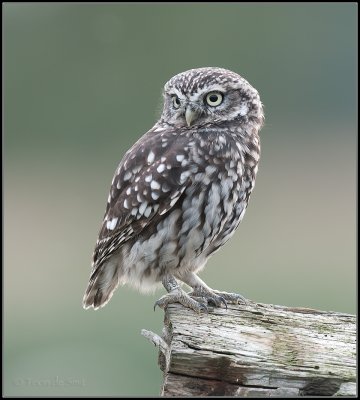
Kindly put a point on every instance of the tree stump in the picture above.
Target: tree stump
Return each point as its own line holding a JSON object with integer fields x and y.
{"x": 257, "y": 350}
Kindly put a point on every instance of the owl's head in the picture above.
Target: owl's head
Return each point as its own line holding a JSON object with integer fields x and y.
{"x": 210, "y": 95}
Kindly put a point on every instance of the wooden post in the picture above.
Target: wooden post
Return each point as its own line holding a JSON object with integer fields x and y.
{"x": 257, "y": 350}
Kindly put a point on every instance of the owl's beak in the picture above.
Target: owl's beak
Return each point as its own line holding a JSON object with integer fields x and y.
{"x": 190, "y": 115}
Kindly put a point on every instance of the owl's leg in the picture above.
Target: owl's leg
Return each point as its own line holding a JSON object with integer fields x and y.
{"x": 211, "y": 296}
{"x": 177, "y": 295}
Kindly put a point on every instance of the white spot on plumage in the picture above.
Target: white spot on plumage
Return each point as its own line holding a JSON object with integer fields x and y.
{"x": 148, "y": 178}
{"x": 161, "y": 168}
{"x": 155, "y": 185}
{"x": 134, "y": 211}
{"x": 127, "y": 175}
{"x": 151, "y": 157}
{"x": 221, "y": 139}
{"x": 111, "y": 224}
{"x": 180, "y": 157}
{"x": 142, "y": 207}
{"x": 163, "y": 159}
{"x": 155, "y": 195}
{"x": 210, "y": 169}
{"x": 147, "y": 212}
{"x": 128, "y": 190}
{"x": 126, "y": 204}
{"x": 184, "y": 176}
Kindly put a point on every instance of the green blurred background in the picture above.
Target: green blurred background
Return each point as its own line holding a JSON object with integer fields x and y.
{"x": 81, "y": 83}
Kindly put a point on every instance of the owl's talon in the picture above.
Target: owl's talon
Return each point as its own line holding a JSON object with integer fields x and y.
{"x": 203, "y": 307}
{"x": 233, "y": 298}
{"x": 223, "y": 301}
{"x": 209, "y": 296}
{"x": 179, "y": 296}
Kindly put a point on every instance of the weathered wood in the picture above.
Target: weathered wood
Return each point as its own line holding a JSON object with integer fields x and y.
{"x": 257, "y": 350}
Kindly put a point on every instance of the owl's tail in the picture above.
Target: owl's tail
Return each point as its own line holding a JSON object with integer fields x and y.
{"x": 103, "y": 282}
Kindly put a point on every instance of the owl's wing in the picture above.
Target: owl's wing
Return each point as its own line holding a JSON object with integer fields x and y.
{"x": 148, "y": 182}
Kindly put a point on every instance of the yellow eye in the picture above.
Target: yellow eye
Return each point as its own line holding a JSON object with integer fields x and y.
{"x": 214, "y": 99}
{"x": 176, "y": 101}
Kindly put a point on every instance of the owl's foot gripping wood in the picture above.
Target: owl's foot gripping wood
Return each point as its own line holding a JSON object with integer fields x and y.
{"x": 216, "y": 298}
{"x": 210, "y": 296}
{"x": 177, "y": 295}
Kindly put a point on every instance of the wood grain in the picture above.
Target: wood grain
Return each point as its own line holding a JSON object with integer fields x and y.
{"x": 257, "y": 350}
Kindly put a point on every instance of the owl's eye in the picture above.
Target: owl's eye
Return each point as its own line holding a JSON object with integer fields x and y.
{"x": 176, "y": 101}
{"x": 214, "y": 99}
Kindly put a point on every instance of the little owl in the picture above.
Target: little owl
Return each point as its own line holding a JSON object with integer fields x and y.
{"x": 180, "y": 192}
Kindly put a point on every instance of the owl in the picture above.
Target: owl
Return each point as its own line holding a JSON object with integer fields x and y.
{"x": 180, "y": 192}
